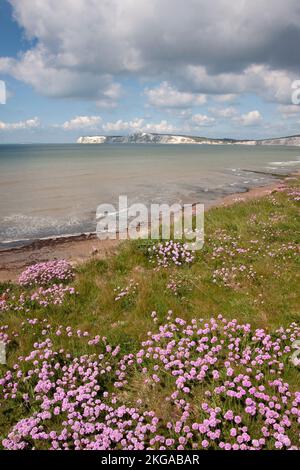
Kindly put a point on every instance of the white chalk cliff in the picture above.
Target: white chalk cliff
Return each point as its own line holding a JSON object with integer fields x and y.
{"x": 149, "y": 138}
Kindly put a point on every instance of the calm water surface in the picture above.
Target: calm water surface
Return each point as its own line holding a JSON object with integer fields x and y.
{"x": 50, "y": 190}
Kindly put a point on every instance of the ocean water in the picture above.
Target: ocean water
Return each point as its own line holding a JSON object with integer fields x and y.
{"x": 54, "y": 190}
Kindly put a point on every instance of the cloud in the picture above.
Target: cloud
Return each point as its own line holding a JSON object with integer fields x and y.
{"x": 225, "y": 98}
{"x": 3, "y": 92}
{"x": 120, "y": 125}
{"x": 202, "y": 120}
{"x": 138, "y": 125}
{"x": 167, "y": 96}
{"x": 219, "y": 47}
{"x": 28, "y": 124}
{"x": 289, "y": 110}
{"x": 250, "y": 119}
{"x": 163, "y": 127}
{"x": 40, "y": 70}
{"x": 110, "y": 96}
{"x": 82, "y": 122}
{"x": 272, "y": 85}
{"x": 228, "y": 112}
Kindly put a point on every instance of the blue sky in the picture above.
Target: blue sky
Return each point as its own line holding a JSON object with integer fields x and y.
{"x": 91, "y": 67}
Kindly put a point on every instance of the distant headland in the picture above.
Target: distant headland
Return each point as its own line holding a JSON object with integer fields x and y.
{"x": 151, "y": 138}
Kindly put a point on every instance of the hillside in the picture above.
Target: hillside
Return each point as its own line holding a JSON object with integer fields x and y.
{"x": 151, "y": 138}
{"x": 152, "y": 349}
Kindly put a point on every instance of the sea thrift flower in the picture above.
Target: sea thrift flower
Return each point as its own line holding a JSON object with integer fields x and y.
{"x": 70, "y": 402}
{"x": 170, "y": 253}
{"x": 42, "y": 274}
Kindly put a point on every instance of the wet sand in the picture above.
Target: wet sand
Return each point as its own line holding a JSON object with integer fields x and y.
{"x": 74, "y": 249}
{"x": 81, "y": 248}
{"x": 251, "y": 194}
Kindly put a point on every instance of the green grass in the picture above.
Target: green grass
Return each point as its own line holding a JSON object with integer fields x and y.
{"x": 270, "y": 299}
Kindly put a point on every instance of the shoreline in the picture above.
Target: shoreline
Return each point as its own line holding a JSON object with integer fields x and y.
{"x": 81, "y": 247}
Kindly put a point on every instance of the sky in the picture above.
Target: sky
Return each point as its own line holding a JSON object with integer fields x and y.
{"x": 114, "y": 67}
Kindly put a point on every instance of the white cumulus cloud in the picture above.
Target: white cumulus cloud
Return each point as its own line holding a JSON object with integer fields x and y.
{"x": 250, "y": 119}
{"x": 27, "y": 124}
{"x": 272, "y": 85}
{"x": 120, "y": 125}
{"x": 80, "y": 48}
{"x": 82, "y": 122}
{"x": 163, "y": 127}
{"x": 138, "y": 125}
{"x": 202, "y": 120}
{"x": 167, "y": 96}
{"x": 228, "y": 112}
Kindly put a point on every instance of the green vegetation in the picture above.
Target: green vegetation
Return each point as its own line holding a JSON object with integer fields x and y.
{"x": 268, "y": 228}
{"x": 248, "y": 270}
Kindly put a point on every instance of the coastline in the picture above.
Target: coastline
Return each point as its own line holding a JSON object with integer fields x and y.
{"x": 252, "y": 193}
{"x": 83, "y": 247}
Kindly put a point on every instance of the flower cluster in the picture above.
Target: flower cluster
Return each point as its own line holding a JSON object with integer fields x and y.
{"x": 221, "y": 384}
{"x": 292, "y": 193}
{"x": 232, "y": 261}
{"x": 13, "y": 302}
{"x": 129, "y": 290}
{"x": 180, "y": 284}
{"x": 174, "y": 285}
{"x": 170, "y": 253}
{"x": 44, "y": 284}
{"x": 229, "y": 276}
{"x": 3, "y": 303}
{"x": 42, "y": 274}
{"x": 53, "y": 295}
{"x": 40, "y": 297}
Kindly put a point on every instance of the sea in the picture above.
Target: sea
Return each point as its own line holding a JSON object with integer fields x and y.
{"x": 53, "y": 190}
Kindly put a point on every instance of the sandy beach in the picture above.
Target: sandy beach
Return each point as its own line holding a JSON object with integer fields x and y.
{"x": 78, "y": 249}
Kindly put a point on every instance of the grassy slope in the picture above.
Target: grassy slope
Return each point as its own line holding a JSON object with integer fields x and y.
{"x": 269, "y": 299}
